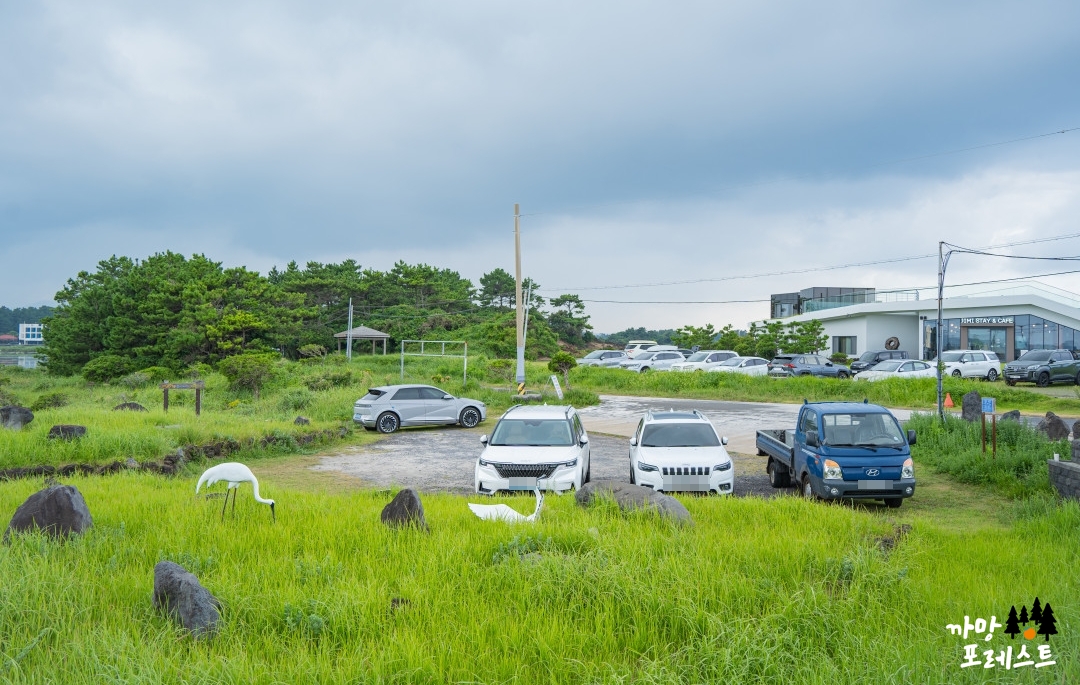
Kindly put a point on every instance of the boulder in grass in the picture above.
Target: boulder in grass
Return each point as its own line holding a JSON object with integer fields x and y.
{"x": 630, "y": 497}
{"x": 59, "y": 511}
{"x": 1013, "y": 415}
{"x": 15, "y": 417}
{"x": 66, "y": 432}
{"x": 1076, "y": 451}
{"x": 180, "y": 594}
{"x": 129, "y": 406}
{"x": 1076, "y": 430}
{"x": 971, "y": 409}
{"x": 405, "y": 510}
{"x": 1053, "y": 427}
{"x": 302, "y": 421}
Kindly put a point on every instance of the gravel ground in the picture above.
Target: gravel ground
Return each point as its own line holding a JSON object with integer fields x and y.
{"x": 442, "y": 460}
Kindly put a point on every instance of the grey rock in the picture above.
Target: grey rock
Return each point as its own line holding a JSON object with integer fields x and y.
{"x": 15, "y": 417}
{"x": 1053, "y": 427}
{"x": 1013, "y": 415}
{"x": 181, "y": 595}
{"x": 1076, "y": 451}
{"x": 404, "y": 510}
{"x": 1076, "y": 430}
{"x": 972, "y": 406}
{"x": 131, "y": 463}
{"x": 630, "y": 497}
{"x": 129, "y": 406}
{"x": 66, "y": 432}
{"x": 302, "y": 421}
{"x": 59, "y": 510}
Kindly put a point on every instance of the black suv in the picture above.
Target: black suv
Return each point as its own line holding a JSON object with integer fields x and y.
{"x": 868, "y": 359}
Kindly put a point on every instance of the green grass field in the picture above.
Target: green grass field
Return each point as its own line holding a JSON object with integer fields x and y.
{"x": 770, "y": 591}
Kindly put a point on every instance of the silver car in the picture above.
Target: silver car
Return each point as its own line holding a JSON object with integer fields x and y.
{"x": 656, "y": 361}
{"x": 603, "y": 358}
{"x": 390, "y": 407}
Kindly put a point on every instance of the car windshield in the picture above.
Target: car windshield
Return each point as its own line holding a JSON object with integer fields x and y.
{"x": 734, "y": 361}
{"x": 887, "y": 366}
{"x": 594, "y": 355}
{"x": 868, "y": 356}
{"x": 1035, "y": 356}
{"x": 698, "y": 357}
{"x": 679, "y": 435}
{"x": 532, "y": 432}
{"x": 863, "y": 430}
{"x": 951, "y": 356}
{"x": 644, "y": 355}
{"x": 372, "y": 395}
{"x": 782, "y": 360}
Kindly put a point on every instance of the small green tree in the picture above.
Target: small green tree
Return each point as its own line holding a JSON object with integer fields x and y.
{"x": 729, "y": 338}
{"x": 688, "y": 336}
{"x": 562, "y": 362}
{"x": 249, "y": 371}
{"x": 806, "y": 337}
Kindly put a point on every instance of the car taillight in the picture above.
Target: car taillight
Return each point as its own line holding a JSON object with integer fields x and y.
{"x": 790, "y": 366}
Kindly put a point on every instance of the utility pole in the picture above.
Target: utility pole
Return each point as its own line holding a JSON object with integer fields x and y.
{"x": 520, "y": 304}
{"x": 938, "y": 344}
{"x": 348, "y": 336}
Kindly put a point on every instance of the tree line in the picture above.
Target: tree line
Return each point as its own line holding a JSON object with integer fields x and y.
{"x": 11, "y": 318}
{"x": 171, "y": 311}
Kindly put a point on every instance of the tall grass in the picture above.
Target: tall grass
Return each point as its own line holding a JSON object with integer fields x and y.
{"x": 780, "y": 591}
{"x": 955, "y": 447}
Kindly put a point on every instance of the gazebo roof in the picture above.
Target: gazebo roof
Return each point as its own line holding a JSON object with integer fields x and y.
{"x": 363, "y": 333}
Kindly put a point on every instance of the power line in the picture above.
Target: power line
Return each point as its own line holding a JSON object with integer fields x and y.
{"x": 835, "y": 267}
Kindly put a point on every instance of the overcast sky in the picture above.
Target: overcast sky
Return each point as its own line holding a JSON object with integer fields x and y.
{"x": 647, "y": 142}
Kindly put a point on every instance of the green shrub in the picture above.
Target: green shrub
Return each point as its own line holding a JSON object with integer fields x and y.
{"x": 159, "y": 373}
{"x": 295, "y": 399}
{"x": 249, "y": 371}
{"x": 137, "y": 379}
{"x": 312, "y": 351}
{"x": 106, "y": 367}
{"x": 53, "y": 400}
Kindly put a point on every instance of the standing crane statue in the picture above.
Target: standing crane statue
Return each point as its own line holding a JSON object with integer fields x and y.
{"x": 234, "y": 474}
{"x": 501, "y": 512}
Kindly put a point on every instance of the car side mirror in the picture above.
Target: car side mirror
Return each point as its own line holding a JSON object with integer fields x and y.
{"x": 483, "y": 439}
{"x": 633, "y": 442}
{"x": 723, "y": 440}
{"x": 448, "y": 397}
{"x": 812, "y": 439}
{"x": 583, "y": 440}
{"x": 911, "y": 437}
{"x": 828, "y": 363}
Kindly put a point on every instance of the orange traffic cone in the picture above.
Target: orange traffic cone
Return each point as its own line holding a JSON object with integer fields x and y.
{"x": 948, "y": 400}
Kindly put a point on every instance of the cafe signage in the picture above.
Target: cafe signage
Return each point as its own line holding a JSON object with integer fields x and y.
{"x": 987, "y": 321}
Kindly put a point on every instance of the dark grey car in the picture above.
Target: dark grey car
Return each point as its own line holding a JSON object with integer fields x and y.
{"x": 390, "y": 407}
{"x": 784, "y": 365}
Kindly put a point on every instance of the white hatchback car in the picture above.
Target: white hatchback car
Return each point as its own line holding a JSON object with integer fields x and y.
{"x": 750, "y": 366}
{"x": 653, "y": 361}
{"x": 897, "y": 368}
{"x": 972, "y": 364}
{"x": 680, "y": 451}
{"x": 533, "y": 447}
{"x": 704, "y": 360}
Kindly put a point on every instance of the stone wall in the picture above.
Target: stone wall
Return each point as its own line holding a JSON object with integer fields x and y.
{"x": 1065, "y": 477}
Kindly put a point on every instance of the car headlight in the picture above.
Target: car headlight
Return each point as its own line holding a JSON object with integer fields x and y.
{"x": 833, "y": 470}
{"x": 572, "y": 462}
{"x": 908, "y": 471}
{"x": 722, "y": 467}
{"x": 642, "y": 466}
{"x": 484, "y": 463}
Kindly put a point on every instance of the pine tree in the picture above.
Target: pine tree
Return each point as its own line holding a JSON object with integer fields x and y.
{"x": 1012, "y": 628}
{"x": 1048, "y": 624}
{"x": 1036, "y": 611}
{"x": 1024, "y": 616}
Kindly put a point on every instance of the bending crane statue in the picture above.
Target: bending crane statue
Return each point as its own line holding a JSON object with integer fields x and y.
{"x": 501, "y": 512}
{"x": 234, "y": 474}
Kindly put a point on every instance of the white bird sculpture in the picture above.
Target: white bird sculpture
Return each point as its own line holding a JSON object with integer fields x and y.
{"x": 234, "y": 474}
{"x": 501, "y": 512}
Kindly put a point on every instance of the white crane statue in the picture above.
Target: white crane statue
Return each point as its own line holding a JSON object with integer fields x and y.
{"x": 501, "y": 512}
{"x": 234, "y": 474}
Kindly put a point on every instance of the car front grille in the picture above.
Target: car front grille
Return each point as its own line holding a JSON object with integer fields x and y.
{"x": 525, "y": 470}
{"x": 685, "y": 470}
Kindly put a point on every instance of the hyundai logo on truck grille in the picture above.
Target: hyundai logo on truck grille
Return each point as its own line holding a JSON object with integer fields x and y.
{"x": 873, "y": 472}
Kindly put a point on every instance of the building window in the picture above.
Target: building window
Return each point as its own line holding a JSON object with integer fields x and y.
{"x": 844, "y": 344}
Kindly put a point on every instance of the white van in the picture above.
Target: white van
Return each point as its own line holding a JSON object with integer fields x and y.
{"x": 636, "y": 347}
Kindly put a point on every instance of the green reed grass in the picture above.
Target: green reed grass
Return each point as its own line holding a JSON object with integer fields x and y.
{"x": 780, "y": 591}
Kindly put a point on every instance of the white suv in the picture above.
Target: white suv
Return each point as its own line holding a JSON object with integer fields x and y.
{"x": 534, "y": 447}
{"x": 972, "y": 364}
{"x": 704, "y": 360}
{"x": 636, "y": 347}
{"x": 656, "y": 361}
{"x": 680, "y": 451}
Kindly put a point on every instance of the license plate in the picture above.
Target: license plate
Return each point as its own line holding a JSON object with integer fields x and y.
{"x": 523, "y": 483}
{"x": 686, "y": 483}
{"x": 875, "y": 484}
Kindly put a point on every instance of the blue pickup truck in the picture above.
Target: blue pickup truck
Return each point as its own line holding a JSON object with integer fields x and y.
{"x": 842, "y": 449}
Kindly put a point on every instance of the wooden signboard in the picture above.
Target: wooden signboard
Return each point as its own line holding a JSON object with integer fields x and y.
{"x": 197, "y": 386}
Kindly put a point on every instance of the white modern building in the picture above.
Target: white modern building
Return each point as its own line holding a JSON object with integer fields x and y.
{"x": 1028, "y": 318}
{"x": 30, "y": 334}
